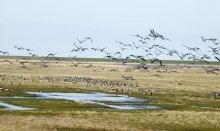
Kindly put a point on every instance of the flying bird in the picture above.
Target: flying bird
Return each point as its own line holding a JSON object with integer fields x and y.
{"x": 4, "y": 52}
{"x": 80, "y": 41}
{"x": 51, "y": 54}
{"x": 89, "y": 38}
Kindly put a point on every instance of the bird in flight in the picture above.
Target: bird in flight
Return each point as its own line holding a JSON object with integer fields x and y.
{"x": 89, "y": 38}
{"x": 4, "y": 52}
{"x": 213, "y": 40}
{"x": 157, "y": 60}
{"x": 138, "y": 36}
{"x": 155, "y": 35}
{"x": 217, "y": 59}
{"x": 80, "y": 41}
{"x": 51, "y": 54}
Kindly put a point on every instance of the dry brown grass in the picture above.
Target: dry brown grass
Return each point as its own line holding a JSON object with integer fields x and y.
{"x": 91, "y": 120}
{"x": 197, "y": 82}
{"x": 195, "y": 79}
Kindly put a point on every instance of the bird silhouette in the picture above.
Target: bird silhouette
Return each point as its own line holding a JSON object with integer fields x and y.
{"x": 89, "y": 38}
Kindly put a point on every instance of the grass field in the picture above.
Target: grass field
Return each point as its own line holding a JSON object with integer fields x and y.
{"x": 189, "y": 106}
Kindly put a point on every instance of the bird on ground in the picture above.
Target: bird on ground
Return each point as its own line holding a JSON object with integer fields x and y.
{"x": 22, "y": 62}
{"x": 128, "y": 77}
{"x": 25, "y": 67}
{"x": 44, "y": 66}
{"x": 179, "y": 82}
{"x": 89, "y": 66}
{"x": 215, "y": 94}
{"x": 157, "y": 75}
{"x": 142, "y": 66}
{"x": 114, "y": 70}
{"x": 7, "y": 61}
{"x": 75, "y": 64}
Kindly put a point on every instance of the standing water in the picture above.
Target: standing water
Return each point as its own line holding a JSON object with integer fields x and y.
{"x": 114, "y": 101}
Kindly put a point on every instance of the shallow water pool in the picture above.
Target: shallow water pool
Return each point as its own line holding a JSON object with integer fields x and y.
{"x": 110, "y": 101}
{"x": 113, "y": 101}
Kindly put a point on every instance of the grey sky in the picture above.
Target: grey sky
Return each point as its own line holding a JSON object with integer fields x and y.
{"x": 53, "y": 25}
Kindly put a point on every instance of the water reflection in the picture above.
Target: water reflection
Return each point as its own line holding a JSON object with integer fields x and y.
{"x": 112, "y": 101}
{"x": 121, "y": 102}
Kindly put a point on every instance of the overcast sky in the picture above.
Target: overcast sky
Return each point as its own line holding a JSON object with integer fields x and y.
{"x": 53, "y": 25}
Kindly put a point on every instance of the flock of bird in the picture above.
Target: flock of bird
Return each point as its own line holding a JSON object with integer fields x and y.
{"x": 152, "y": 55}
